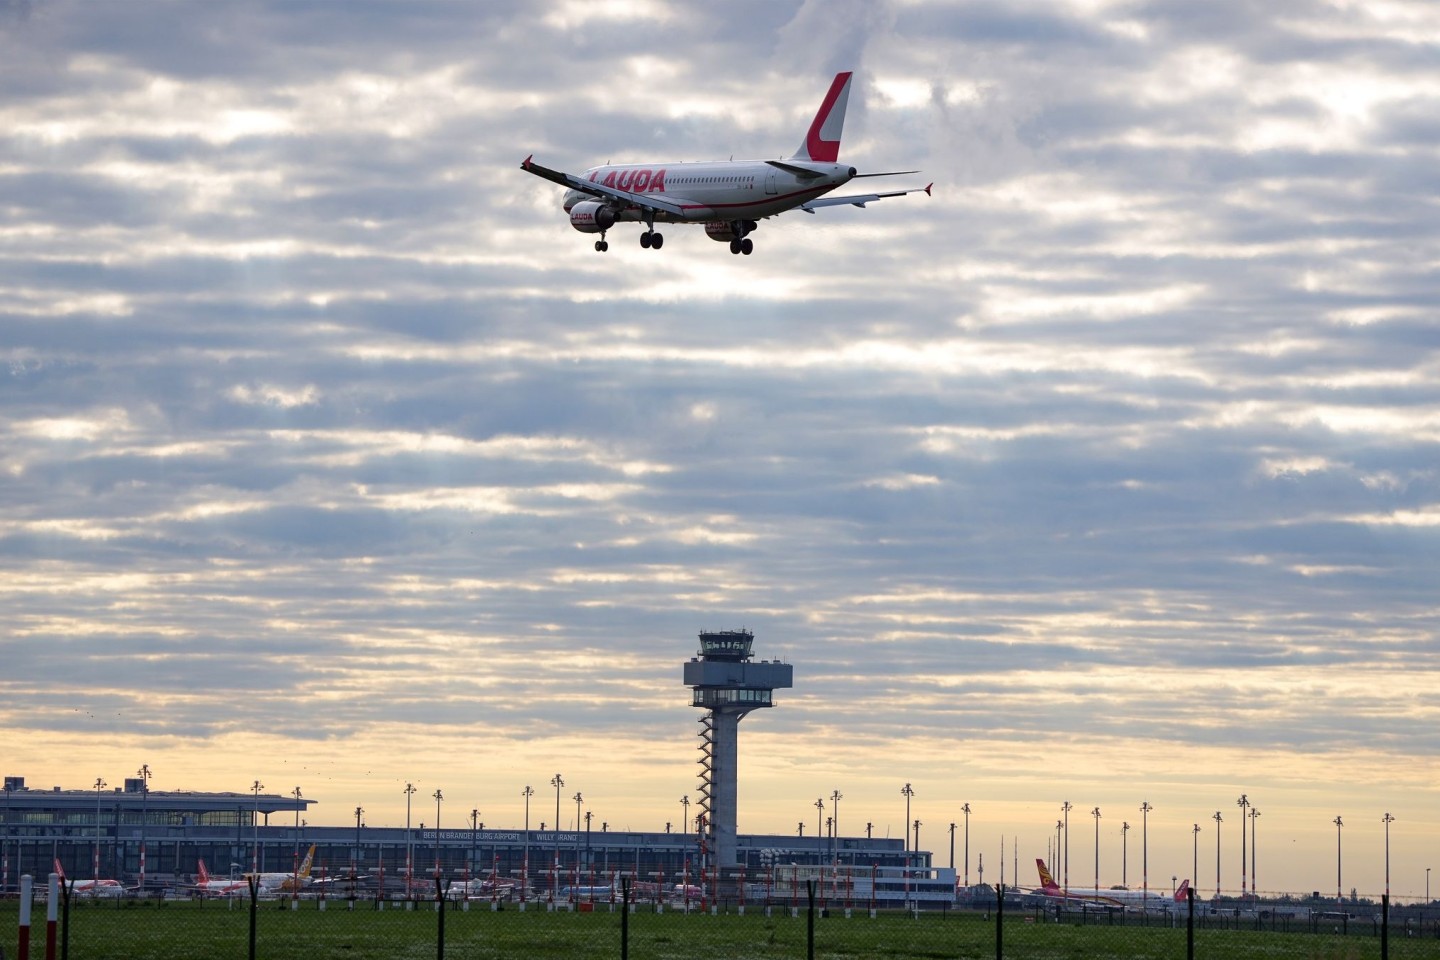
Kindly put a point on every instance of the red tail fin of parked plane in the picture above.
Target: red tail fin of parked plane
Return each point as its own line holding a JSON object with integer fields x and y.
{"x": 1047, "y": 882}
{"x": 1180, "y": 893}
{"x": 204, "y": 874}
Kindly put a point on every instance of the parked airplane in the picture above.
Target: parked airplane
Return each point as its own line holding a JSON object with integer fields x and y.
{"x": 285, "y": 882}
{"x": 218, "y": 887}
{"x": 728, "y": 197}
{"x": 90, "y": 888}
{"x": 1118, "y": 897}
{"x": 480, "y": 889}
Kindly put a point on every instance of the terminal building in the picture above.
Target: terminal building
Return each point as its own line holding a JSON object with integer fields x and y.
{"x": 235, "y": 833}
{"x": 153, "y": 840}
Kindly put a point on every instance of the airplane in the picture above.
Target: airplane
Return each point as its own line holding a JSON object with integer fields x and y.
{"x": 480, "y": 889}
{"x": 1117, "y": 897}
{"x": 728, "y": 197}
{"x": 219, "y": 887}
{"x": 286, "y": 882}
{"x": 90, "y": 888}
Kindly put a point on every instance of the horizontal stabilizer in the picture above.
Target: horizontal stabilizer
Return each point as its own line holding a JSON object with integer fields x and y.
{"x": 859, "y": 199}
{"x": 802, "y": 172}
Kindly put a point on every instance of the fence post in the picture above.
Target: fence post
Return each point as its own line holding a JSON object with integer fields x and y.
{"x": 440, "y": 924}
{"x": 65, "y": 920}
{"x": 26, "y": 895}
{"x": 625, "y": 918}
{"x": 1190, "y": 924}
{"x": 52, "y": 906}
{"x": 999, "y": 922}
{"x": 810, "y": 921}
{"x": 254, "y": 906}
{"x": 1385, "y": 927}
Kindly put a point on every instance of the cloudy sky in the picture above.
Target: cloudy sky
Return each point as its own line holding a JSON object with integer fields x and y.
{"x": 334, "y": 457}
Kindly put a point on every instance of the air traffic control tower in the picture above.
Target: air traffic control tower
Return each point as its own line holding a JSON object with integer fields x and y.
{"x": 727, "y": 685}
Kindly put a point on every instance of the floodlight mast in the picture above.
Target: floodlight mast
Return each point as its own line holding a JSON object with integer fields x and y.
{"x": 727, "y": 685}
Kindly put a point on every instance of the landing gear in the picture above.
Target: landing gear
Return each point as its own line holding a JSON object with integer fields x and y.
{"x": 651, "y": 240}
{"x": 741, "y": 243}
{"x": 601, "y": 246}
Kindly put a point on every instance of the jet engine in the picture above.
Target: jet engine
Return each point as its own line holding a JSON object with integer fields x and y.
{"x": 592, "y": 216}
{"x": 724, "y": 231}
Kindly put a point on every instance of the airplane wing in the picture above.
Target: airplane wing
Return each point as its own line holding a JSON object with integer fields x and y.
{"x": 859, "y": 199}
{"x": 643, "y": 201}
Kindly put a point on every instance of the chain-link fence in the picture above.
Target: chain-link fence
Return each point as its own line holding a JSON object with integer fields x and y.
{"x": 625, "y": 924}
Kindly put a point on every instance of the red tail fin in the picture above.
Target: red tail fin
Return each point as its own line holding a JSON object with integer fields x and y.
{"x": 1047, "y": 882}
{"x": 59, "y": 870}
{"x": 822, "y": 140}
{"x": 1180, "y": 894}
{"x": 204, "y": 874}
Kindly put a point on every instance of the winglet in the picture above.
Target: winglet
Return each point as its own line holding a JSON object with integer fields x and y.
{"x": 822, "y": 140}
{"x": 928, "y": 186}
{"x": 525, "y": 164}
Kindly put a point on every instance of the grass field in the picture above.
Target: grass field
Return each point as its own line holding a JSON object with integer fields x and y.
{"x": 217, "y": 930}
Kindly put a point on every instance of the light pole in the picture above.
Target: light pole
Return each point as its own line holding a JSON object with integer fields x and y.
{"x": 917, "y": 834}
{"x": 1055, "y": 859}
{"x": 1339, "y": 886}
{"x": 1145, "y": 809}
{"x": 1387, "y": 820}
{"x": 1427, "y": 888}
{"x": 1096, "y": 814}
{"x": 144, "y": 774}
{"x": 1066, "y": 808}
{"x": 952, "y": 844}
{"x": 1218, "y": 819}
{"x": 295, "y": 856}
{"x": 5, "y": 878}
{"x": 578, "y": 800}
{"x": 438, "y": 797}
{"x": 527, "y": 793}
{"x": 257, "y": 786}
{"x": 835, "y": 797}
{"x": 1124, "y": 853}
{"x": 474, "y": 823}
{"x": 965, "y": 809}
{"x": 907, "y": 791}
{"x": 409, "y": 843}
{"x": 819, "y": 815}
{"x": 355, "y": 857}
{"x": 869, "y": 830}
{"x": 1244, "y": 804}
{"x": 557, "y": 782}
{"x": 1254, "y": 815}
{"x": 99, "y": 785}
{"x": 1195, "y": 853}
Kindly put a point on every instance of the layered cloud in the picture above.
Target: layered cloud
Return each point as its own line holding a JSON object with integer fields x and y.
{"x": 1118, "y": 454}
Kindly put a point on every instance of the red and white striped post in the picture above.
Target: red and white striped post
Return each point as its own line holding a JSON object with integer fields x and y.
{"x": 52, "y": 916}
{"x": 26, "y": 894}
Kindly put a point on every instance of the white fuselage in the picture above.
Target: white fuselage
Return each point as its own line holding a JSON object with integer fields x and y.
{"x": 716, "y": 191}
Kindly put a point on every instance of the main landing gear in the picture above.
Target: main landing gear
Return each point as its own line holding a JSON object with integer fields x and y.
{"x": 741, "y": 243}
{"x": 601, "y": 246}
{"x": 651, "y": 240}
